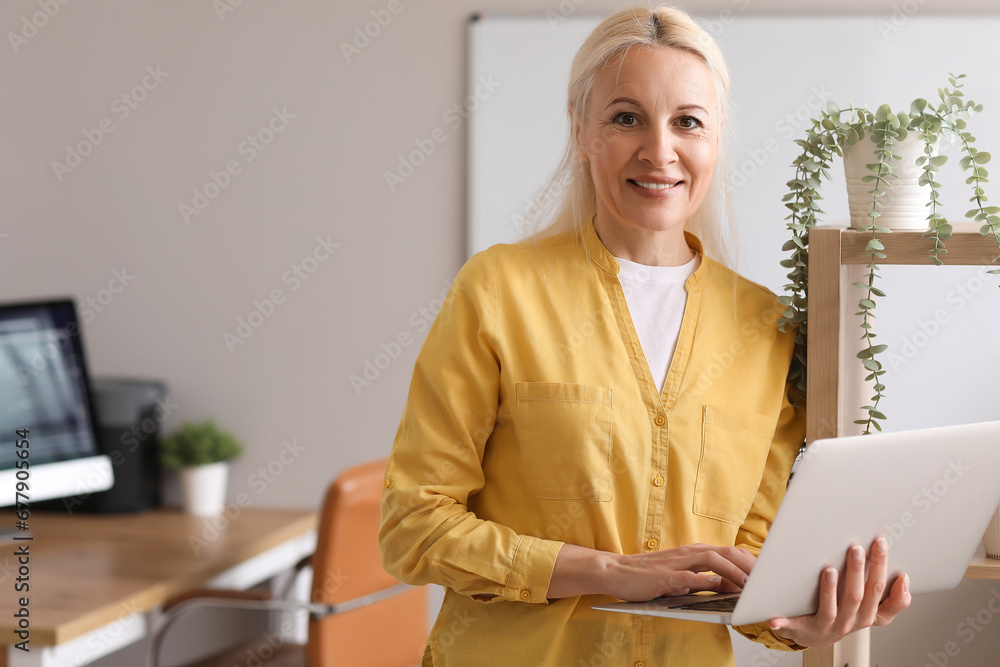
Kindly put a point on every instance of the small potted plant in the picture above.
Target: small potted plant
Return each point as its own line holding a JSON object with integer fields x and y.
{"x": 874, "y": 197}
{"x": 201, "y": 453}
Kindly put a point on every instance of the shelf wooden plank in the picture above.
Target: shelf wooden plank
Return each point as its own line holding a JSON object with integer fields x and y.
{"x": 966, "y": 247}
{"x": 983, "y": 567}
{"x": 823, "y": 351}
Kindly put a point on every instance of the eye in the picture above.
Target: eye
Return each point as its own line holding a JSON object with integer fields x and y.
{"x": 689, "y": 122}
{"x": 625, "y": 119}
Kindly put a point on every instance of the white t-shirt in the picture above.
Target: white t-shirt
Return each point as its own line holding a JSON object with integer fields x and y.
{"x": 655, "y": 296}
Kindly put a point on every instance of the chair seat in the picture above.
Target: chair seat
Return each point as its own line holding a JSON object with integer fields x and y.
{"x": 286, "y": 655}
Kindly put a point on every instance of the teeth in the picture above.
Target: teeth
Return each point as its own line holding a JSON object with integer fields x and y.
{"x": 655, "y": 186}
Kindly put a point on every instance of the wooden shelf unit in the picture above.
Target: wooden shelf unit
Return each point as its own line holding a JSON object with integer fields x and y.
{"x": 832, "y": 253}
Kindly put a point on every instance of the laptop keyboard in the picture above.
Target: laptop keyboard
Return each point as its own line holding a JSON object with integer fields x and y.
{"x": 725, "y": 605}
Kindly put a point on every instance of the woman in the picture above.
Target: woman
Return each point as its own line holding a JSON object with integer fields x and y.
{"x": 601, "y": 412}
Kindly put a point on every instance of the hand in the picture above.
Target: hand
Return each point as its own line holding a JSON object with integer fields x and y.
{"x": 679, "y": 571}
{"x": 862, "y": 605}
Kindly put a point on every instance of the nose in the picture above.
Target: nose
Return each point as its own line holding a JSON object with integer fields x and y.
{"x": 658, "y": 148}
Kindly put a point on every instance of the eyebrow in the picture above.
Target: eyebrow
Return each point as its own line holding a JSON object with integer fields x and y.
{"x": 629, "y": 100}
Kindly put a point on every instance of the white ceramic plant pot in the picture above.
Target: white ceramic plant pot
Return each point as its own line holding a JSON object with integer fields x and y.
{"x": 905, "y": 203}
{"x": 204, "y": 488}
{"x": 991, "y": 539}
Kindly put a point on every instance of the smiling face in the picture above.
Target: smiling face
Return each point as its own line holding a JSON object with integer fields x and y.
{"x": 651, "y": 138}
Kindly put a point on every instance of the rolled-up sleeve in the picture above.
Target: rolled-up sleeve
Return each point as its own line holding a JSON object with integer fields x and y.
{"x": 427, "y": 533}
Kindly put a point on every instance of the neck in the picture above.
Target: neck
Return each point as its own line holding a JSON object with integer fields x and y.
{"x": 666, "y": 247}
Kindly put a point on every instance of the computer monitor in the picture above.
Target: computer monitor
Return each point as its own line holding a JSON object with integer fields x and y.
{"x": 45, "y": 399}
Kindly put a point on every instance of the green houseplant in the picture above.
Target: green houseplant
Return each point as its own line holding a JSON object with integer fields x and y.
{"x": 831, "y": 134}
{"x": 201, "y": 453}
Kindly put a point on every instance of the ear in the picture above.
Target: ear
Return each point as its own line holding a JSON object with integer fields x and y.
{"x": 576, "y": 132}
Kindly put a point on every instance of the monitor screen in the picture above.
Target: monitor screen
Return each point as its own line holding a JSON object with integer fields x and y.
{"x": 45, "y": 389}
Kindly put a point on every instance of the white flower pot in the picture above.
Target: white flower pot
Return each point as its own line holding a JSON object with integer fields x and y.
{"x": 905, "y": 203}
{"x": 204, "y": 488}
{"x": 991, "y": 540}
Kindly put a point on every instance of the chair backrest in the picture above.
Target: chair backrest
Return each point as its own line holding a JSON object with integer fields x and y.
{"x": 346, "y": 565}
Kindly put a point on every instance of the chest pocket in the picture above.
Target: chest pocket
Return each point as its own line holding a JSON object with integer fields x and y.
{"x": 734, "y": 448}
{"x": 565, "y": 440}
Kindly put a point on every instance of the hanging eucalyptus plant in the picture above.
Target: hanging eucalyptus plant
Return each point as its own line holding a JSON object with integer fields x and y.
{"x": 828, "y": 135}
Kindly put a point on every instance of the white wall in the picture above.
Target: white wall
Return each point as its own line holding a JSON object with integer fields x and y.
{"x": 322, "y": 176}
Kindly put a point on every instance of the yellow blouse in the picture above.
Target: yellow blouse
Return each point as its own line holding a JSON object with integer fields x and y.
{"x": 533, "y": 420}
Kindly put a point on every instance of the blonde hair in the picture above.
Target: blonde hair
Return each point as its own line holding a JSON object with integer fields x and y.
{"x": 568, "y": 200}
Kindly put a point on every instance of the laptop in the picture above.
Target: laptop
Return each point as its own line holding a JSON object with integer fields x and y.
{"x": 931, "y": 493}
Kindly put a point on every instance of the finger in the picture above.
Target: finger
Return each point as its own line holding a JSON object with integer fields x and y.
{"x": 876, "y": 584}
{"x": 712, "y": 560}
{"x": 898, "y": 600}
{"x": 739, "y": 556}
{"x": 854, "y": 590}
{"x": 826, "y": 613}
{"x": 683, "y": 582}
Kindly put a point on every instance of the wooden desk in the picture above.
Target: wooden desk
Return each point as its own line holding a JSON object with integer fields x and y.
{"x": 90, "y": 572}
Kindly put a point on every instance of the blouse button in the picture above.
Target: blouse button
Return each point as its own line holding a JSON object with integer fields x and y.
{"x": 657, "y": 481}
{"x": 525, "y": 594}
{"x": 639, "y": 663}
{"x": 651, "y": 543}
{"x": 660, "y": 420}
{"x": 387, "y": 483}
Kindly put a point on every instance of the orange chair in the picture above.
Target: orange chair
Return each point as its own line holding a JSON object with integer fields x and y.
{"x": 359, "y": 615}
